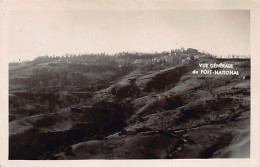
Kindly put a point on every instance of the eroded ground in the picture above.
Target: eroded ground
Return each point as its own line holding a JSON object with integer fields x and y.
{"x": 147, "y": 114}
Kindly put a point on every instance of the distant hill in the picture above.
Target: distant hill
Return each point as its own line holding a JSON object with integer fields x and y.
{"x": 128, "y": 106}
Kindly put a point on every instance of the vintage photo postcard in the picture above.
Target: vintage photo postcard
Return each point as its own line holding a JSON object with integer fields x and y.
{"x": 129, "y": 82}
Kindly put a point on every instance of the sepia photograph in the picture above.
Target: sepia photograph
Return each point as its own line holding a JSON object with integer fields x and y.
{"x": 129, "y": 84}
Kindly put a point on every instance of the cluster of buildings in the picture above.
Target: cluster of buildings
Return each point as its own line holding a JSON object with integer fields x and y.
{"x": 173, "y": 57}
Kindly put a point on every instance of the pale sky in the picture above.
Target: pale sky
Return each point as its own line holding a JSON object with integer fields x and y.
{"x": 37, "y": 33}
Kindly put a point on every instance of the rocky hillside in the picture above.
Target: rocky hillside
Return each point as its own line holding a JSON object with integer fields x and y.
{"x": 149, "y": 113}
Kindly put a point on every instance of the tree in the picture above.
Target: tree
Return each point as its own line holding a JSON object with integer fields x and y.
{"x": 192, "y": 57}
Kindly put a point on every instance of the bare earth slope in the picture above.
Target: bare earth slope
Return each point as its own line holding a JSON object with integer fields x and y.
{"x": 147, "y": 114}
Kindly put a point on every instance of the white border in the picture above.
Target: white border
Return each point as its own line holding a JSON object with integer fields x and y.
{"x": 253, "y": 6}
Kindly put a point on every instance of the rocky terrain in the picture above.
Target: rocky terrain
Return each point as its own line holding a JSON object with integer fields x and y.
{"x": 162, "y": 111}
